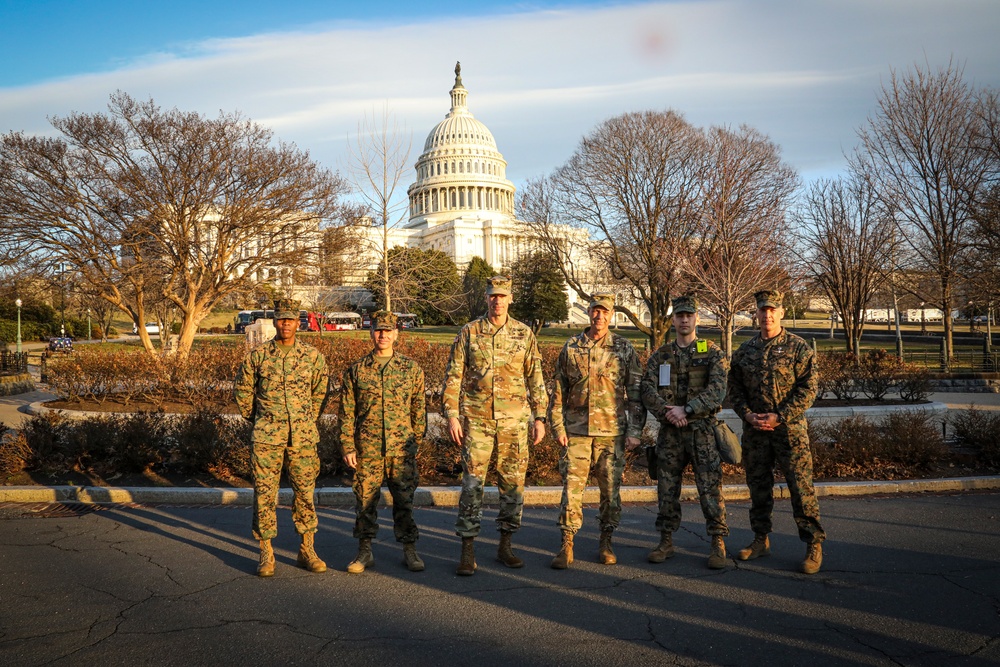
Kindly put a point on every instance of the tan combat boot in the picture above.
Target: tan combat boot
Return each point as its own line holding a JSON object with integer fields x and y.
{"x": 505, "y": 554}
{"x": 467, "y": 565}
{"x": 814, "y": 558}
{"x": 307, "y": 554}
{"x": 761, "y": 546}
{"x": 410, "y": 557}
{"x": 717, "y": 557}
{"x": 564, "y": 558}
{"x": 265, "y": 567}
{"x": 605, "y": 554}
{"x": 664, "y": 550}
{"x": 364, "y": 559}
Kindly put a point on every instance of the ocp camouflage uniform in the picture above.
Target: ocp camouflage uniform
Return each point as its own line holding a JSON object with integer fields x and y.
{"x": 698, "y": 381}
{"x": 596, "y": 404}
{"x": 382, "y": 417}
{"x": 282, "y": 391}
{"x": 777, "y": 376}
{"x": 494, "y": 384}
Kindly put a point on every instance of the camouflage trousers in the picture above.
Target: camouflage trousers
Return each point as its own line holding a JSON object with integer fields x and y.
{"x": 273, "y": 443}
{"x": 510, "y": 438}
{"x": 400, "y": 473}
{"x": 606, "y": 455}
{"x": 675, "y": 449}
{"x": 789, "y": 448}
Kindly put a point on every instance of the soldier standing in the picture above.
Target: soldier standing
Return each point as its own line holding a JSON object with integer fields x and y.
{"x": 595, "y": 412}
{"x": 381, "y": 424}
{"x": 280, "y": 387}
{"x": 773, "y": 383}
{"x": 684, "y": 386}
{"x": 493, "y": 385}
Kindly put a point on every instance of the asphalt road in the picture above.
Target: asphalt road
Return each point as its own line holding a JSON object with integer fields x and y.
{"x": 906, "y": 581}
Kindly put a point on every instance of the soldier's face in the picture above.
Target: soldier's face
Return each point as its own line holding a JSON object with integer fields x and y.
{"x": 685, "y": 323}
{"x": 600, "y": 318}
{"x": 770, "y": 320}
{"x": 498, "y": 304}
{"x": 285, "y": 330}
{"x": 384, "y": 339}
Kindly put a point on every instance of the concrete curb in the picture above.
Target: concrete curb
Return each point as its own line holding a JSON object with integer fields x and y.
{"x": 447, "y": 496}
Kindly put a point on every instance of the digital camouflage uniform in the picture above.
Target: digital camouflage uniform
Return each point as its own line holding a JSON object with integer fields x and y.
{"x": 282, "y": 394}
{"x": 596, "y": 404}
{"x": 382, "y": 418}
{"x": 494, "y": 384}
{"x": 778, "y": 376}
{"x": 694, "y": 443}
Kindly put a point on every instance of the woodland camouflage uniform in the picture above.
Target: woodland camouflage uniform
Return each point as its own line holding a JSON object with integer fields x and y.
{"x": 777, "y": 376}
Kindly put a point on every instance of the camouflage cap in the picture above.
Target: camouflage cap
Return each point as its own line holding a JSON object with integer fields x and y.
{"x": 383, "y": 320}
{"x": 604, "y": 300}
{"x": 286, "y": 309}
{"x": 685, "y": 304}
{"x": 768, "y": 298}
{"x": 498, "y": 285}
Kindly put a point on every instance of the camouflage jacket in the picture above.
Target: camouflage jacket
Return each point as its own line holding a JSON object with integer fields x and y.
{"x": 597, "y": 388}
{"x": 776, "y": 375}
{"x": 282, "y": 386}
{"x": 382, "y": 410}
{"x": 494, "y": 373}
{"x": 689, "y": 369}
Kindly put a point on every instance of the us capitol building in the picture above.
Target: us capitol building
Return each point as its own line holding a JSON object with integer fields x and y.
{"x": 462, "y": 203}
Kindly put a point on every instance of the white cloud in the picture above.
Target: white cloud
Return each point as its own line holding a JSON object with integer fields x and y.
{"x": 805, "y": 73}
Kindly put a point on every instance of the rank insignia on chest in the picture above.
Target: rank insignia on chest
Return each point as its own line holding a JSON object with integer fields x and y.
{"x": 779, "y": 350}
{"x": 701, "y": 346}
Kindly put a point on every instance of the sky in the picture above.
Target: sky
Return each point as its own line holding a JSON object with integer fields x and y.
{"x": 541, "y": 75}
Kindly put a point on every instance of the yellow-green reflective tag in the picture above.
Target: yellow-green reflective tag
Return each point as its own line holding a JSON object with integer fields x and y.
{"x": 701, "y": 345}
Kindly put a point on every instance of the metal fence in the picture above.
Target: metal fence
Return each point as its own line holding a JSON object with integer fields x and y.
{"x": 12, "y": 363}
{"x": 961, "y": 361}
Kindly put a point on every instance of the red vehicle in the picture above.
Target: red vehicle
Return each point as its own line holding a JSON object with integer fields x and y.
{"x": 310, "y": 321}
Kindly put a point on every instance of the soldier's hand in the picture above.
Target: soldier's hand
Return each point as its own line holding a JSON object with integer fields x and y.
{"x": 455, "y": 430}
{"x": 563, "y": 440}
{"x": 768, "y": 421}
{"x": 632, "y": 443}
{"x": 539, "y": 432}
{"x": 677, "y": 416}
{"x": 351, "y": 460}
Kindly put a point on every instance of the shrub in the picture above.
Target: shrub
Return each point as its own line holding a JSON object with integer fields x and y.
{"x": 877, "y": 373}
{"x": 838, "y": 375}
{"x": 914, "y": 383}
{"x": 979, "y": 429}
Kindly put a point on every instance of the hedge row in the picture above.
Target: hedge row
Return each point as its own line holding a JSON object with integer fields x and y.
{"x": 874, "y": 373}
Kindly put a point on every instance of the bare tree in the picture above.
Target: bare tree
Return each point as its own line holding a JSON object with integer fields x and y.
{"x": 142, "y": 202}
{"x": 379, "y": 156}
{"x": 923, "y": 148}
{"x": 741, "y": 243}
{"x": 633, "y": 184}
{"x": 849, "y": 240}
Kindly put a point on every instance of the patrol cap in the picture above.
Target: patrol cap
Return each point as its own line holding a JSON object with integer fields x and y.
{"x": 498, "y": 285}
{"x": 383, "y": 320}
{"x": 604, "y": 300}
{"x": 769, "y": 298}
{"x": 286, "y": 309}
{"x": 685, "y": 304}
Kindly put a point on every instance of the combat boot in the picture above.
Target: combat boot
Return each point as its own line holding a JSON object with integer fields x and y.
{"x": 265, "y": 567}
{"x": 814, "y": 558}
{"x": 664, "y": 550}
{"x": 605, "y": 554}
{"x": 364, "y": 559}
{"x": 467, "y": 565}
{"x": 505, "y": 554}
{"x": 761, "y": 546}
{"x": 410, "y": 557}
{"x": 564, "y": 558}
{"x": 717, "y": 557}
{"x": 307, "y": 554}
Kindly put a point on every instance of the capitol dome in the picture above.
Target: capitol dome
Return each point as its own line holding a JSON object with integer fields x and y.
{"x": 460, "y": 172}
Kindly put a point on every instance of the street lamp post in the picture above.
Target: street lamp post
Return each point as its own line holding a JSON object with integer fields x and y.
{"x": 18, "y": 304}
{"x": 972, "y": 320}
{"x": 62, "y": 292}
{"x": 923, "y": 320}
{"x": 88, "y": 324}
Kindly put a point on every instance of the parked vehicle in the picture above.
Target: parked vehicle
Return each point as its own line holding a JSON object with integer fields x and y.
{"x": 245, "y": 318}
{"x": 61, "y": 344}
{"x": 152, "y": 328}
